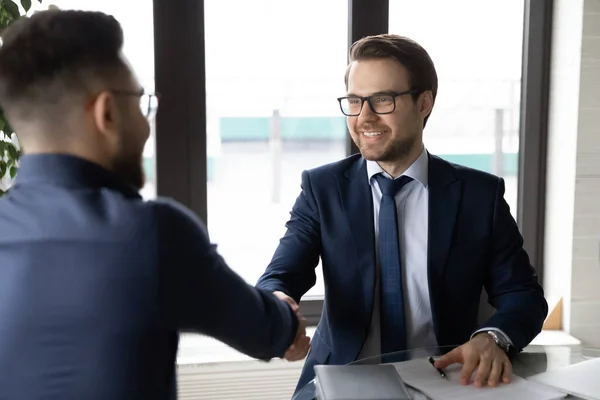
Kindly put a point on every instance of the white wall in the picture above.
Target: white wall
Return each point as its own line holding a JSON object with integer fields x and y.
{"x": 572, "y": 266}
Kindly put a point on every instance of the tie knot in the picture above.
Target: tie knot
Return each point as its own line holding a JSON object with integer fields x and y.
{"x": 389, "y": 187}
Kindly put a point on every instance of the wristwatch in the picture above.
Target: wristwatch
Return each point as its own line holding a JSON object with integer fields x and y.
{"x": 500, "y": 341}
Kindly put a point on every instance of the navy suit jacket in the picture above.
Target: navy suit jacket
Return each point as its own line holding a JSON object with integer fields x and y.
{"x": 474, "y": 243}
{"x": 96, "y": 283}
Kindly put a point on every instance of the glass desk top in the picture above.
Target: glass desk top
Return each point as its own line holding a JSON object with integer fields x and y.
{"x": 532, "y": 360}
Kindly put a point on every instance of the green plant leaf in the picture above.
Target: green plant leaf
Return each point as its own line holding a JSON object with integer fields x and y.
{"x": 13, "y": 172}
{"x": 8, "y": 130}
{"x": 26, "y": 4}
{"x": 12, "y": 9}
{"x": 13, "y": 153}
{"x": 2, "y": 168}
{"x": 2, "y": 124}
{"x": 2, "y": 148}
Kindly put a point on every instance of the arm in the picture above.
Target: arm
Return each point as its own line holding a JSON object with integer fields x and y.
{"x": 513, "y": 289}
{"x": 512, "y": 283}
{"x": 292, "y": 269}
{"x": 199, "y": 292}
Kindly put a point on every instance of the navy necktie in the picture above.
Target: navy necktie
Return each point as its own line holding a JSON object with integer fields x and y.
{"x": 393, "y": 326}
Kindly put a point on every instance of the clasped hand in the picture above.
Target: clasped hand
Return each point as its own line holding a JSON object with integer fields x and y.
{"x": 481, "y": 353}
{"x": 299, "y": 348}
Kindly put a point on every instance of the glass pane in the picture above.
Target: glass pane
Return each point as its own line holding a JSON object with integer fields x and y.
{"x": 138, "y": 28}
{"x": 476, "y": 47}
{"x": 274, "y": 70}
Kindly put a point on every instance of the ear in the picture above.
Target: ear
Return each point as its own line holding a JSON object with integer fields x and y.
{"x": 104, "y": 114}
{"x": 425, "y": 103}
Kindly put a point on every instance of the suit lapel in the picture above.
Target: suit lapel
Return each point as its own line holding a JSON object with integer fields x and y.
{"x": 357, "y": 199}
{"x": 444, "y": 201}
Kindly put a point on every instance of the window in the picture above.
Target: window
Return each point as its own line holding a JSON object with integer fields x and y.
{"x": 477, "y": 50}
{"x": 138, "y": 28}
{"x": 273, "y": 72}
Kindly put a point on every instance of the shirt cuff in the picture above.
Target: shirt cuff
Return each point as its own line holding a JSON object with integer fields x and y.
{"x": 498, "y": 331}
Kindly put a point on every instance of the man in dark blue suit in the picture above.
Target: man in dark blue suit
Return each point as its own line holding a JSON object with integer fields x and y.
{"x": 407, "y": 240}
{"x": 95, "y": 282}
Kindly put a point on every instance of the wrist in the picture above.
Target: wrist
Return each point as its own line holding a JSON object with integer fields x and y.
{"x": 497, "y": 339}
{"x": 483, "y": 335}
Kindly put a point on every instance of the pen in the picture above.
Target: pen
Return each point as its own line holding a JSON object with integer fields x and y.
{"x": 432, "y": 362}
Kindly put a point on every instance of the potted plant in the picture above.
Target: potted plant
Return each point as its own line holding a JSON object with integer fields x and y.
{"x": 9, "y": 145}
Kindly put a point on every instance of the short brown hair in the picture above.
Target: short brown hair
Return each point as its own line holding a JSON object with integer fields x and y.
{"x": 407, "y": 52}
{"x": 55, "y": 53}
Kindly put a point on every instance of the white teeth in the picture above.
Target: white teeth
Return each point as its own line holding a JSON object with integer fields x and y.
{"x": 372, "y": 134}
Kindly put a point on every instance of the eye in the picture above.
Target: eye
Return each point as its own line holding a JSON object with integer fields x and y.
{"x": 383, "y": 99}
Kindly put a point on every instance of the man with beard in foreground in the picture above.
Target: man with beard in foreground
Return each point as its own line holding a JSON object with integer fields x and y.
{"x": 95, "y": 283}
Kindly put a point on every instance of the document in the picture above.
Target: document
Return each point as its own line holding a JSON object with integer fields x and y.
{"x": 420, "y": 375}
{"x": 580, "y": 379}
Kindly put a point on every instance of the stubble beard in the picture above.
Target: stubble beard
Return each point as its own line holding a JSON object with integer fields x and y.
{"x": 397, "y": 150}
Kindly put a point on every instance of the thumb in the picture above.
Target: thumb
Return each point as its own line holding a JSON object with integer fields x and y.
{"x": 453, "y": 357}
{"x": 284, "y": 297}
{"x": 292, "y": 303}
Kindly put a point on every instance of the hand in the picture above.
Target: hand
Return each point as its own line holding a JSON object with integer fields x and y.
{"x": 299, "y": 348}
{"x": 483, "y": 354}
{"x": 287, "y": 299}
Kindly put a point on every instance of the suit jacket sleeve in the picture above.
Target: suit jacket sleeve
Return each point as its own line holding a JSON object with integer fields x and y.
{"x": 199, "y": 292}
{"x": 512, "y": 283}
{"x": 292, "y": 269}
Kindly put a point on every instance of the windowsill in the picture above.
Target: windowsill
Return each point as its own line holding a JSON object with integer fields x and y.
{"x": 197, "y": 350}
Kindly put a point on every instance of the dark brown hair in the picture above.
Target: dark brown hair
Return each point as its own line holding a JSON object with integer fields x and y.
{"x": 56, "y": 53}
{"x": 407, "y": 52}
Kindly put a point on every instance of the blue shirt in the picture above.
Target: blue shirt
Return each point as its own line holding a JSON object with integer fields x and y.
{"x": 96, "y": 283}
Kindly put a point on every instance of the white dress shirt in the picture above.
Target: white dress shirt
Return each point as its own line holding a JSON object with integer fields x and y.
{"x": 412, "y": 202}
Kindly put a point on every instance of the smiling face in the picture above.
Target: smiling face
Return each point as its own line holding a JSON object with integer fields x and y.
{"x": 393, "y": 137}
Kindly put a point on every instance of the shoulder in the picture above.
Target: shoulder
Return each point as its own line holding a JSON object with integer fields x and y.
{"x": 333, "y": 169}
{"x": 467, "y": 175}
{"x": 173, "y": 217}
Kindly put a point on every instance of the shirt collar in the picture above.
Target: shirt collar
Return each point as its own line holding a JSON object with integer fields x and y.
{"x": 67, "y": 170}
{"x": 418, "y": 170}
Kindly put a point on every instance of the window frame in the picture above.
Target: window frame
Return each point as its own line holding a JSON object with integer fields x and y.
{"x": 181, "y": 131}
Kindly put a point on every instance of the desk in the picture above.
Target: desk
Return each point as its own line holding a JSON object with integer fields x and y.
{"x": 532, "y": 360}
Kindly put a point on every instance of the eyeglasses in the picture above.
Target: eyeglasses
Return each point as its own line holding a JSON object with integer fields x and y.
{"x": 380, "y": 103}
{"x": 148, "y": 101}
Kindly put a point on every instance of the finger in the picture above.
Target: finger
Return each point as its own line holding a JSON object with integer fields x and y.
{"x": 495, "y": 373}
{"x": 483, "y": 371}
{"x": 302, "y": 351}
{"x": 506, "y": 371}
{"x": 292, "y": 303}
{"x": 301, "y": 329}
{"x": 296, "y": 347}
{"x": 289, "y": 351}
{"x": 468, "y": 368}
{"x": 287, "y": 299}
{"x": 455, "y": 356}
{"x": 299, "y": 350}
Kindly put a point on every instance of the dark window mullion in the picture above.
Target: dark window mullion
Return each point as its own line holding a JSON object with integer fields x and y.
{"x": 533, "y": 130}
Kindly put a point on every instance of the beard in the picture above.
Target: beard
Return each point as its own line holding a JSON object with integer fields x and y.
{"x": 128, "y": 165}
{"x": 388, "y": 152}
{"x": 130, "y": 169}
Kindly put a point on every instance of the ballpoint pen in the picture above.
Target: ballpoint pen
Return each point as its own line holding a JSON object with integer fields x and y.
{"x": 442, "y": 373}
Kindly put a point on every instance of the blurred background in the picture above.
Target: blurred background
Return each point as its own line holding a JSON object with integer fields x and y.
{"x": 248, "y": 101}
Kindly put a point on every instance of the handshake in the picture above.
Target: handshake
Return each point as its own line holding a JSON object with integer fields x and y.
{"x": 299, "y": 348}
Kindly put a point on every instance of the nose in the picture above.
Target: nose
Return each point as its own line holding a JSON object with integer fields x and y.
{"x": 367, "y": 114}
